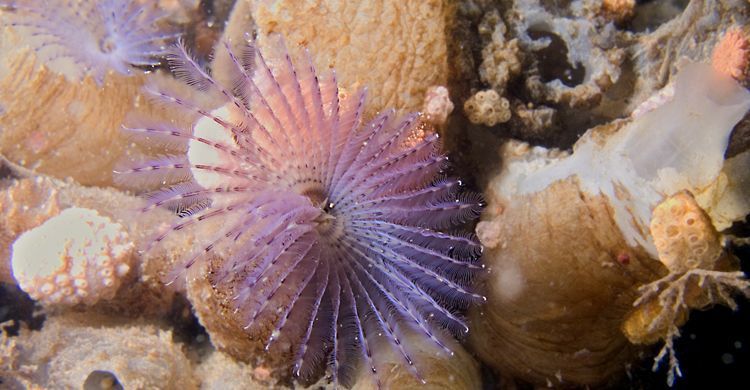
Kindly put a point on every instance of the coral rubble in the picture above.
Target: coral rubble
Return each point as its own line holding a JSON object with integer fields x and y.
{"x": 78, "y": 351}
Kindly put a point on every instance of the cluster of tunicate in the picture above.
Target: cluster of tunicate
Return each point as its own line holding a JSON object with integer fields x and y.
{"x": 683, "y": 234}
{"x": 487, "y": 108}
{"x": 689, "y": 246}
{"x": 75, "y": 257}
{"x": 501, "y": 61}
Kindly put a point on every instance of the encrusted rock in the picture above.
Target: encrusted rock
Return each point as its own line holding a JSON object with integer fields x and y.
{"x": 88, "y": 351}
{"x": 587, "y": 46}
{"x": 501, "y": 57}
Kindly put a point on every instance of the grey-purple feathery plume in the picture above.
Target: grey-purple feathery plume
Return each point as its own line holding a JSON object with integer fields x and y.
{"x": 98, "y": 36}
{"x": 335, "y": 230}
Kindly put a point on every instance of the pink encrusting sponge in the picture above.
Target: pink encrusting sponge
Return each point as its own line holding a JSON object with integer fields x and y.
{"x": 332, "y": 232}
{"x": 98, "y": 36}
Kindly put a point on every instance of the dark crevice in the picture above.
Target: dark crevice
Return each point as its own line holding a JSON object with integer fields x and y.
{"x": 651, "y": 14}
{"x": 101, "y": 380}
{"x": 552, "y": 61}
{"x": 739, "y": 141}
{"x": 17, "y": 306}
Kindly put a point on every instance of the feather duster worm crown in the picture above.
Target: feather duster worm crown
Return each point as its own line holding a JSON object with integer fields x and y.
{"x": 331, "y": 234}
{"x": 97, "y": 36}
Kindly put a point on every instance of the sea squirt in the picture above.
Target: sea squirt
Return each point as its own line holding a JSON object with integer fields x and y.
{"x": 331, "y": 234}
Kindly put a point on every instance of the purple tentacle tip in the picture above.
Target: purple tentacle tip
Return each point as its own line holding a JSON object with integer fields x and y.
{"x": 333, "y": 230}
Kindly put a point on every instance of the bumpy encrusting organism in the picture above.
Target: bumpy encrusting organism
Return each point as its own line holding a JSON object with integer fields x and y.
{"x": 332, "y": 236}
{"x": 97, "y": 36}
{"x": 84, "y": 258}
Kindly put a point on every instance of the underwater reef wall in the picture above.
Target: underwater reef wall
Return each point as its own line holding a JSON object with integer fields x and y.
{"x": 233, "y": 194}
